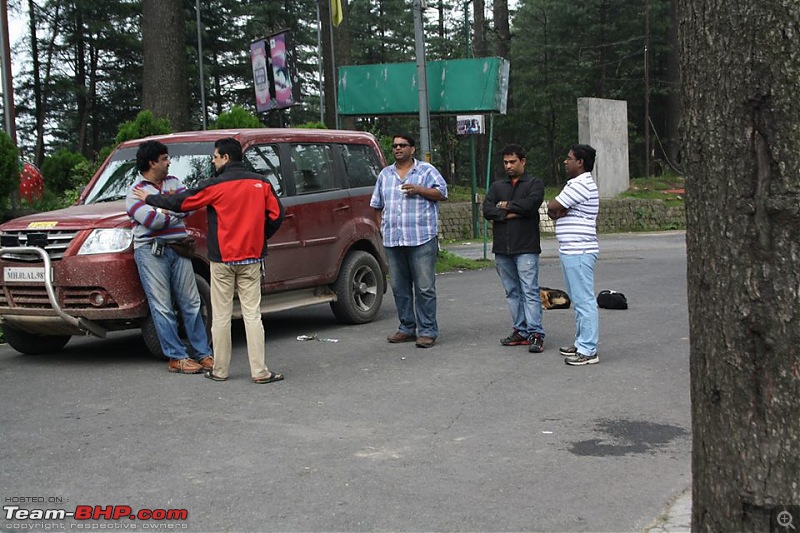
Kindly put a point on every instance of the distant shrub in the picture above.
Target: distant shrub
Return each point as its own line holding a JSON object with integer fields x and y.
{"x": 9, "y": 166}
{"x": 59, "y": 170}
{"x": 313, "y": 126}
{"x": 237, "y": 117}
{"x": 143, "y": 125}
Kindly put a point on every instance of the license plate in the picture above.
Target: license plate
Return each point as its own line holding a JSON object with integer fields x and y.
{"x": 24, "y": 274}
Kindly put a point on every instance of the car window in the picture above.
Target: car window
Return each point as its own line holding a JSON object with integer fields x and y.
{"x": 312, "y": 168}
{"x": 362, "y": 164}
{"x": 263, "y": 159}
{"x": 191, "y": 162}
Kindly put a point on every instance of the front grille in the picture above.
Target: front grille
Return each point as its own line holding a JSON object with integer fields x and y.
{"x": 35, "y": 297}
{"x": 55, "y": 243}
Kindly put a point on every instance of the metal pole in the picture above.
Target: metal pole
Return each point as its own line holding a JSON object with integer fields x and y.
{"x": 8, "y": 85}
{"x": 474, "y": 182}
{"x": 472, "y": 161}
{"x": 488, "y": 180}
{"x": 422, "y": 79}
{"x": 466, "y": 29}
{"x": 646, "y": 89}
{"x": 321, "y": 68}
{"x": 333, "y": 73}
{"x": 200, "y": 64}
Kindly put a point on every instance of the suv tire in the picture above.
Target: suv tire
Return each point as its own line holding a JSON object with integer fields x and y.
{"x": 150, "y": 336}
{"x": 32, "y": 344}
{"x": 359, "y": 289}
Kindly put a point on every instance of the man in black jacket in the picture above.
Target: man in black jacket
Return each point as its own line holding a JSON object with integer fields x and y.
{"x": 512, "y": 205}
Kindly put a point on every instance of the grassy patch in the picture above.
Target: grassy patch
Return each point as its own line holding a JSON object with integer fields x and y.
{"x": 448, "y": 262}
{"x": 668, "y": 188}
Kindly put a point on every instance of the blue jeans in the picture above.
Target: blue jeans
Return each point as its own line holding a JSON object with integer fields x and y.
{"x": 519, "y": 274}
{"x": 579, "y": 277}
{"x": 168, "y": 280}
{"x": 413, "y": 277}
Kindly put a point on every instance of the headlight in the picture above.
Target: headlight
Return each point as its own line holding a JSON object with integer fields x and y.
{"x": 107, "y": 241}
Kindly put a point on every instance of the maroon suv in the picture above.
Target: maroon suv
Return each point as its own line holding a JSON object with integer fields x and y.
{"x": 71, "y": 271}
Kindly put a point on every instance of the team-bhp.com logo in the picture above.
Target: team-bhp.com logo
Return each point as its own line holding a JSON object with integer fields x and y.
{"x": 94, "y": 512}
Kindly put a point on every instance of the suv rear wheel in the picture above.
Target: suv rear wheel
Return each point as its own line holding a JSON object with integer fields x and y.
{"x": 32, "y": 344}
{"x": 359, "y": 289}
{"x": 150, "y": 335}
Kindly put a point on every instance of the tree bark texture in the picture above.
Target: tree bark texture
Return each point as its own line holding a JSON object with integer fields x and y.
{"x": 165, "y": 86}
{"x": 479, "y": 46}
{"x": 740, "y": 66}
{"x": 502, "y": 29}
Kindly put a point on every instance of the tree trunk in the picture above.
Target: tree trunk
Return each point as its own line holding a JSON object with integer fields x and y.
{"x": 165, "y": 86}
{"x": 741, "y": 130}
{"x": 502, "y": 45}
{"x": 479, "y": 48}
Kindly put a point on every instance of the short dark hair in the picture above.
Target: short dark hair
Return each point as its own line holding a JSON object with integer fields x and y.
{"x": 149, "y": 151}
{"x": 409, "y": 139}
{"x": 513, "y": 149}
{"x": 585, "y": 153}
{"x": 230, "y": 147}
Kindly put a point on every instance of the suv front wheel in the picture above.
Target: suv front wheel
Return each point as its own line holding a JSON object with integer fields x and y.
{"x": 32, "y": 344}
{"x": 359, "y": 289}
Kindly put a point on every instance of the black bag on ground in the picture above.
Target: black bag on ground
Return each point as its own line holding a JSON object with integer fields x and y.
{"x": 612, "y": 300}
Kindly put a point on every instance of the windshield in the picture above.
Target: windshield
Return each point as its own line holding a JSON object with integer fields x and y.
{"x": 191, "y": 162}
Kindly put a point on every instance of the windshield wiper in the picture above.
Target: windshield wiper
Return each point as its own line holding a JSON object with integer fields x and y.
{"x": 108, "y": 199}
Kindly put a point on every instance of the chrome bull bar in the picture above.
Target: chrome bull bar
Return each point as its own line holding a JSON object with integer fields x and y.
{"x": 87, "y": 326}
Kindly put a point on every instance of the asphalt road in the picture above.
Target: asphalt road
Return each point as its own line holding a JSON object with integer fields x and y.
{"x": 367, "y": 436}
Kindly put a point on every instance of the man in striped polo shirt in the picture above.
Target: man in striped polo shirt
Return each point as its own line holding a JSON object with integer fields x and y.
{"x": 575, "y": 212}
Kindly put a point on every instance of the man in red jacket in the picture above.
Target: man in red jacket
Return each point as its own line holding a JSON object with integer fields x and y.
{"x": 243, "y": 211}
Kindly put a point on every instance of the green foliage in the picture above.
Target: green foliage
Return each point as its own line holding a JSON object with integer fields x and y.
{"x": 237, "y": 117}
{"x": 143, "y": 125}
{"x": 555, "y": 62}
{"x": 313, "y": 126}
{"x": 9, "y": 165}
{"x": 58, "y": 170}
{"x": 668, "y": 188}
{"x": 448, "y": 262}
{"x": 560, "y": 51}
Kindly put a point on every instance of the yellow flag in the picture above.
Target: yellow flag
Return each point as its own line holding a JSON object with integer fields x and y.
{"x": 336, "y": 12}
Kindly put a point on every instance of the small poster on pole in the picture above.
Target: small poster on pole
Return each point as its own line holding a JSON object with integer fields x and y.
{"x": 469, "y": 124}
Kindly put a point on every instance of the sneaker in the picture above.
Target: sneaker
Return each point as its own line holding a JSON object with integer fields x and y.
{"x": 579, "y": 359}
{"x": 536, "y": 344}
{"x": 515, "y": 339}
{"x": 568, "y": 350}
{"x": 184, "y": 366}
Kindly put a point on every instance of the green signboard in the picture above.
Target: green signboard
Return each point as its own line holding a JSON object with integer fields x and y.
{"x": 456, "y": 86}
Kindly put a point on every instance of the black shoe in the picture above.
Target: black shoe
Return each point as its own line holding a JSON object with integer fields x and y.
{"x": 568, "y": 350}
{"x": 536, "y": 344}
{"x": 515, "y": 339}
